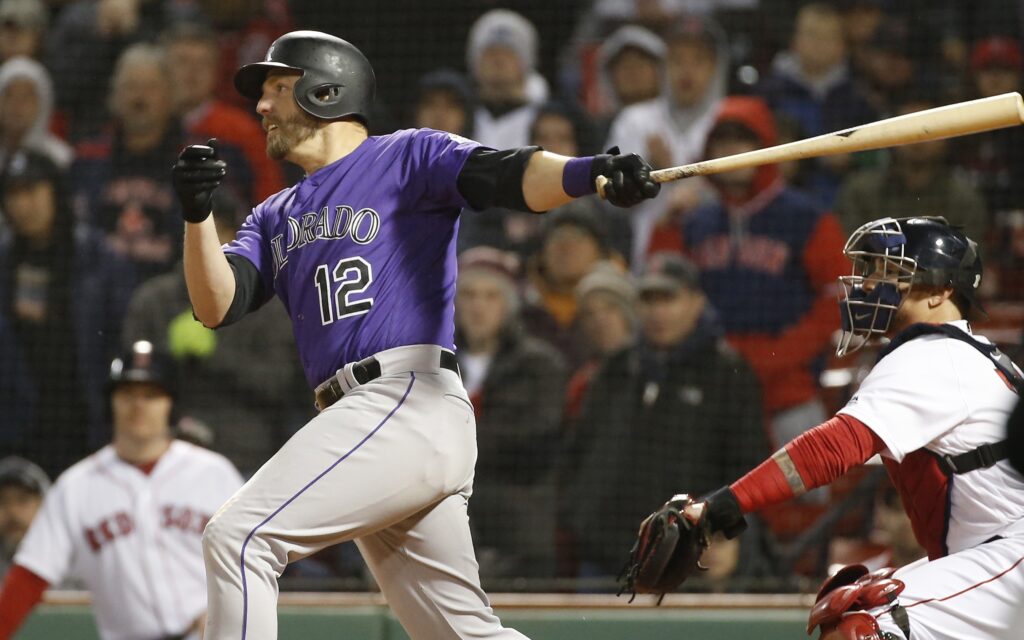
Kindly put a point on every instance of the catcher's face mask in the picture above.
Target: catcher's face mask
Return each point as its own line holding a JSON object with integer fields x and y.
{"x": 882, "y": 275}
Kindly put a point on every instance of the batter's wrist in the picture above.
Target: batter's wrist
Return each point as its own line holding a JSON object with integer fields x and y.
{"x": 195, "y": 215}
{"x": 577, "y": 177}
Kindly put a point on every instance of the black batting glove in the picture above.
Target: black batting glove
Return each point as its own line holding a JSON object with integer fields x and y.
{"x": 196, "y": 175}
{"x": 629, "y": 178}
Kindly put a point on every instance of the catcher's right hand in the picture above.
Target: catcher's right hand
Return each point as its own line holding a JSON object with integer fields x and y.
{"x": 668, "y": 547}
{"x": 196, "y": 175}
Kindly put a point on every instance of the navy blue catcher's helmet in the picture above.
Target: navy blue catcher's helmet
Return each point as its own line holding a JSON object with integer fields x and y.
{"x": 892, "y": 251}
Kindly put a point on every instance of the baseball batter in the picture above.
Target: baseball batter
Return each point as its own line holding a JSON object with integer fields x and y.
{"x": 128, "y": 520}
{"x": 935, "y": 407}
{"x": 362, "y": 254}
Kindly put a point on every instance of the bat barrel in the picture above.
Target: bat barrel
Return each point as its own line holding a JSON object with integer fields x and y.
{"x": 974, "y": 116}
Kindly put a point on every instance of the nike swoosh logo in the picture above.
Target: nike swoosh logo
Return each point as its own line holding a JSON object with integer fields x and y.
{"x": 861, "y": 316}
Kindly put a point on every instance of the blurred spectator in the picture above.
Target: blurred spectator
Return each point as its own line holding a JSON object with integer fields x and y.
{"x": 918, "y": 182}
{"x": 680, "y": 389}
{"x": 993, "y": 162}
{"x": 892, "y": 66}
{"x": 502, "y": 57}
{"x": 558, "y": 129}
{"x": 769, "y": 259}
{"x": 996, "y": 66}
{"x": 607, "y": 314}
{"x": 26, "y": 106}
{"x": 192, "y": 57}
{"x": 631, "y": 64}
{"x": 670, "y": 130}
{"x": 607, "y": 324}
{"x": 22, "y": 27}
{"x": 445, "y": 102}
{"x": 937, "y": 27}
{"x": 62, "y": 298}
{"x": 242, "y": 381}
{"x": 120, "y": 179}
{"x": 22, "y": 486}
{"x": 516, "y": 384}
{"x": 811, "y": 84}
{"x": 129, "y": 515}
{"x": 245, "y": 29}
{"x": 561, "y": 129}
{"x": 574, "y": 241}
{"x": 85, "y": 44}
{"x": 860, "y": 20}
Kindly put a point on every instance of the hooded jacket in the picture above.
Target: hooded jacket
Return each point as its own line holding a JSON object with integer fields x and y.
{"x": 38, "y": 138}
{"x": 769, "y": 263}
{"x": 683, "y": 129}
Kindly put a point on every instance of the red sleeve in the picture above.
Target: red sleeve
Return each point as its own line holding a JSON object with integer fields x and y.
{"x": 21, "y": 592}
{"x": 820, "y": 456}
{"x": 804, "y": 341}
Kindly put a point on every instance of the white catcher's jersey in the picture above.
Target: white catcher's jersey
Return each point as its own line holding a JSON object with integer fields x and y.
{"x": 941, "y": 395}
{"x": 134, "y": 539}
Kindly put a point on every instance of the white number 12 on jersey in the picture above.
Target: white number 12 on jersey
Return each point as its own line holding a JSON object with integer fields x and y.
{"x": 354, "y": 276}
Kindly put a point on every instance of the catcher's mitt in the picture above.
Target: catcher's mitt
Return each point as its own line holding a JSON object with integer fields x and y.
{"x": 667, "y": 550}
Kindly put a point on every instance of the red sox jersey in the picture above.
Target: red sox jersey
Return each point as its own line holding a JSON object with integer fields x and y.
{"x": 133, "y": 538}
{"x": 933, "y": 396}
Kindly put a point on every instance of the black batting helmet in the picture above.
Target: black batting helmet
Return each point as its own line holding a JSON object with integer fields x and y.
{"x": 142, "y": 364}
{"x": 337, "y": 80}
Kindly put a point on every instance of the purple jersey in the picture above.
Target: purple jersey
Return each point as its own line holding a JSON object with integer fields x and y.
{"x": 362, "y": 251}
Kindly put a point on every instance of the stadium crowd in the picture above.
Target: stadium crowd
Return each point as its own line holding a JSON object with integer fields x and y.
{"x": 613, "y": 357}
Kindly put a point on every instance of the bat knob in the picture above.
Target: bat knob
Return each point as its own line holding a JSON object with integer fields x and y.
{"x": 599, "y": 184}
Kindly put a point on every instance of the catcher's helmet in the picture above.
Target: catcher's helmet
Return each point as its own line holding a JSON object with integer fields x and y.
{"x": 337, "y": 80}
{"x": 142, "y": 364}
{"x": 892, "y": 251}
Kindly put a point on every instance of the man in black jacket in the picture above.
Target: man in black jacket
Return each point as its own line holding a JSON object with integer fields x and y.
{"x": 680, "y": 393}
{"x": 516, "y": 383}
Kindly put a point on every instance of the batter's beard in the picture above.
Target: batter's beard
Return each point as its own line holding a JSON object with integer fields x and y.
{"x": 296, "y": 129}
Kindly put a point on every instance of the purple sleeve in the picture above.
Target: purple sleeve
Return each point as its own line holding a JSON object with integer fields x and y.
{"x": 252, "y": 244}
{"x": 438, "y": 158}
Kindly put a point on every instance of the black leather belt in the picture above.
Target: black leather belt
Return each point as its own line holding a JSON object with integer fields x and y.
{"x": 364, "y": 371}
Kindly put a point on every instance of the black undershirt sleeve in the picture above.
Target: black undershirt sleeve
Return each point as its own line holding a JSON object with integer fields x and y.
{"x": 249, "y": 293}
{"x": 491, "y": 178}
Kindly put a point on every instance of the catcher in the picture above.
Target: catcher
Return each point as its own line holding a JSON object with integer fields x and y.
{"x": 935, "y": 407}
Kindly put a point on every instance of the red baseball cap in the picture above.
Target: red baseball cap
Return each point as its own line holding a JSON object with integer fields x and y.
{"x": 996, "y": 51}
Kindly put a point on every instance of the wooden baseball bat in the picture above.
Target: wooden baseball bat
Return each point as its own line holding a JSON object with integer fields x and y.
{"x": 960, "y": 119}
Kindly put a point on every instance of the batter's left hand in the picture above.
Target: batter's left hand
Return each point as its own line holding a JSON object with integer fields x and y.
{"x": 195, "y": 176}
{"x": 628, "y": 178}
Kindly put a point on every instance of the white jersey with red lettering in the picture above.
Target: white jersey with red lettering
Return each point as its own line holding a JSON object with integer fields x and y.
{"x": 937, "y": 396}
{"x": 134, "y": 539}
